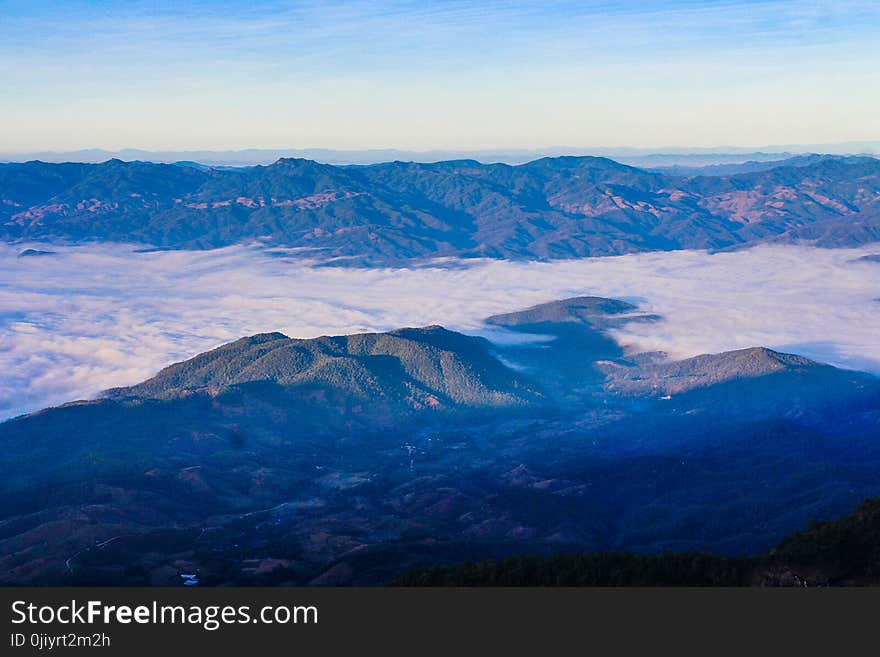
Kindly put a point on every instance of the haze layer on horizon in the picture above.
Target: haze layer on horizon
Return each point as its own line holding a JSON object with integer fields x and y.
{"x": 436, "y": 75}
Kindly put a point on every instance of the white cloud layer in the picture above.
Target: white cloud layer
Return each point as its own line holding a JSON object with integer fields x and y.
{"x": 89, "y": 318}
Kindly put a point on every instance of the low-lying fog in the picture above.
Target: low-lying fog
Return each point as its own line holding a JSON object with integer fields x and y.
{"x": 88, "y": 318}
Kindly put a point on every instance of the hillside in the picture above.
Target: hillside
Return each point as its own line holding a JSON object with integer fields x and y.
{"x": 562, "y": 207}
{"x": 416, "y": 368}
{"x": 843, "y": 552}
{"x": 353, "y": 459}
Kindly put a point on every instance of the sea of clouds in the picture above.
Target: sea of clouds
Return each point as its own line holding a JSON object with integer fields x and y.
{"x": 92, "y": 317}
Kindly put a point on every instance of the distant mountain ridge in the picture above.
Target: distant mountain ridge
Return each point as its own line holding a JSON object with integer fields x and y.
{"x": 407, "y": 368}
{"x": 734, "y": 168}
{"x": 561, "y": 207}
{"x": 641, "y": 157}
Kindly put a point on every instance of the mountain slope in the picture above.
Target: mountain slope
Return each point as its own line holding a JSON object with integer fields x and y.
{"x": 591, "y": 311}
{"x": 551, "y": 208}
{"x": 843, "y": 552}
{"x": 353, "y": 459}
{"x": 416, "y": 367}
{"x": 670, "y": 378}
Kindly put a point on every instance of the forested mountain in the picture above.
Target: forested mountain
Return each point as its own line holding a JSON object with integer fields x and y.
{"x": 550, "y": 208}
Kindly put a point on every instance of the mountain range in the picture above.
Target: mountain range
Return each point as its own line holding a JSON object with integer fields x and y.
{"x": 640, "y": 157}
{"x": 354, "y": 459}
{"x": 560, "y": 207}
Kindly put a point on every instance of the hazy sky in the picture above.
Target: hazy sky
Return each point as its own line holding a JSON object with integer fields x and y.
{"x": 421, "y": 75}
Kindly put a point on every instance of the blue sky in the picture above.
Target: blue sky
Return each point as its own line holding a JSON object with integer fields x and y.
{"x": 422, "y": 75}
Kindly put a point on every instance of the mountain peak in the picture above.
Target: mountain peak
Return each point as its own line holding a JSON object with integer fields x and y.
{"x": 408, "y": 368}
{"x": 298, "y": 162}
{"x": 260, "y": 338}
{"x": 704, "y": 371}
{"x": 563, "y": 207}
{"x": 567, "y": 161}
{"x": 759, "y": 360}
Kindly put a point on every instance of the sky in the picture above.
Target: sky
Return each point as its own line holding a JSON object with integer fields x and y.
{"x": 97, "y": 316}
{"x": 224, "y": 74}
